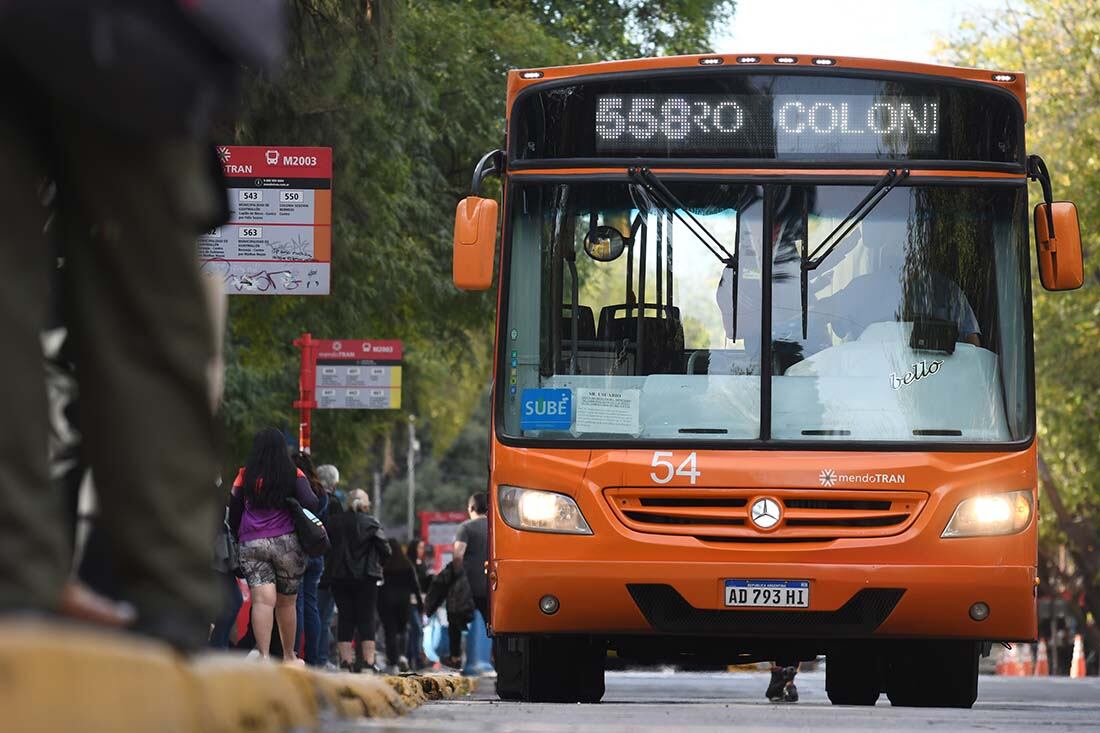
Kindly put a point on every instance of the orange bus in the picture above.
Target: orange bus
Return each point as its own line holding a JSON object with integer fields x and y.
{"x": 764, "y": 384}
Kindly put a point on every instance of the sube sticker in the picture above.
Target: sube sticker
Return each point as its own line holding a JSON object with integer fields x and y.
{"x": 546, "y": 409}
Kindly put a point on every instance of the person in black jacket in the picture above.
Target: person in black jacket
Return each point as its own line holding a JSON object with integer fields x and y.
{"x": 400, "y": 591}
{"x": 452, "y": 586}
{"x": 359, "y": 549}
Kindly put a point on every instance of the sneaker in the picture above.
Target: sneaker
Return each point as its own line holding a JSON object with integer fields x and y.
{"x": 349, "y": 667}
{"x": 774, "y": 692}
{"x": 402, "y": 664}
{"x": 790, "y": 693}
{"x": 452, "y": 662}
{"x": 254, "y": 656}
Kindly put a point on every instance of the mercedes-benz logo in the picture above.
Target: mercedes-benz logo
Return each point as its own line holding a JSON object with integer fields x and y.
{"x": 765, "y": 513}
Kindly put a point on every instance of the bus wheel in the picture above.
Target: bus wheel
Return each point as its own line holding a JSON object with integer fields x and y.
{"x": 550, "y": 668}
{"x": 852, "y": 675}
{"x": 933, "y": 674}
{"x": 508, "y": 662}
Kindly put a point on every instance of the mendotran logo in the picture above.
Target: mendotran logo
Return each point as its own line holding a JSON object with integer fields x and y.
{"x": 828, "y": 477}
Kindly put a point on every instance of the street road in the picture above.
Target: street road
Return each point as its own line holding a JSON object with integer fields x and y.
{"x": 652, "y": 702}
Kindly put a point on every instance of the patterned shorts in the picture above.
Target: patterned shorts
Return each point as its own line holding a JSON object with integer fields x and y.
{"x": 279, "y": 560}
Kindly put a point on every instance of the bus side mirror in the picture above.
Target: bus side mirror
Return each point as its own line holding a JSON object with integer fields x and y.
{"x": 1060, "y": 262}
{"x": 474, "y": 243}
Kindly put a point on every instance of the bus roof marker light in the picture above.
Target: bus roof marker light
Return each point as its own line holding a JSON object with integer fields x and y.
{"x": 1004, "y": 77}
{"x": 786, "y": 60}
{"x": 531, "y": 75}
{"x": 748, "y": 59}
{"x": 712, "y": 61}
{"x": 824, "y": 62}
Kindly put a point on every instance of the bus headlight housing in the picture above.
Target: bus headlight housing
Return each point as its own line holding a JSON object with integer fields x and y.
{"x": 992, "y": 514}
{"x": 540, "y": 511}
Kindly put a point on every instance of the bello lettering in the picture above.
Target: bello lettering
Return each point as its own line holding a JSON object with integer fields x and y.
{"x": 919, "y": 371}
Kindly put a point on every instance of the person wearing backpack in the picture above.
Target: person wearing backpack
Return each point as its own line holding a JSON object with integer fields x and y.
{"x": 272, "y": 558}
{"x": 354, "y": 571}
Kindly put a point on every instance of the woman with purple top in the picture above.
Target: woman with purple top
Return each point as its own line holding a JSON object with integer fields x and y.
{"x": 271, "y": 556}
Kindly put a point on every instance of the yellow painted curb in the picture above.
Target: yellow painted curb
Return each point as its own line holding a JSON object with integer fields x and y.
{"x": 359, "y": 695}
{"x": 56, "y": 677}
{"x": 238, "y": 694}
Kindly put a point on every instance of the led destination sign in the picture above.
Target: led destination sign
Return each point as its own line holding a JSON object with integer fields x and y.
{"x": 778, "y": 125}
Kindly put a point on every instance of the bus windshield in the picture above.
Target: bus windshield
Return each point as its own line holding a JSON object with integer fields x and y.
{"x": 629, "y": 318}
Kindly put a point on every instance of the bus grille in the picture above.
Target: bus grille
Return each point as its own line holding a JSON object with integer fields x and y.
{"x": 722, "y": 515}
{"x": 667, "y": 611}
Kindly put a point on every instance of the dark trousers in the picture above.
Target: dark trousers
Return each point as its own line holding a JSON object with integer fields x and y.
{"x": 309, "y": 616}
{"x": 356, "y": 603}
{"x": 454, "y": 631}
{"x": 394, "y": 612}
{"x": 414, "y": 647}
{"x": 129, "y": 211}
{"x": 325, "y": 606}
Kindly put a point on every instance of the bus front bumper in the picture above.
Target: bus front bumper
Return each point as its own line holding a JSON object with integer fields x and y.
{"x": 846, "y": 601}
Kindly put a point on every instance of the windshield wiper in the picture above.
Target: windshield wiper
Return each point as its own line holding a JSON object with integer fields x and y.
{"x": 812, "y": 261}
{"x": 653, "y": 188}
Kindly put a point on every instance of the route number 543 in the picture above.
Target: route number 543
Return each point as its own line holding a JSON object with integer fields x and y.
{"x": 667, "y": 469}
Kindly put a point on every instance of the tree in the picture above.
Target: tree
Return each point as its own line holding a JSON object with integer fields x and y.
{"x": 408, "y": 95}
{"x": 1055, "y": 43}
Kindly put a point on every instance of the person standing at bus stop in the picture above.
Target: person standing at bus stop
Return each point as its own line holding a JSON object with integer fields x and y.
{"x": 116, "y": 101}
{"x": 471, "y": 551}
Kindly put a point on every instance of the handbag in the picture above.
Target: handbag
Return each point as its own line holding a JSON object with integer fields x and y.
{"x": 227, "y": 551}
{"x": 312, "y": 534}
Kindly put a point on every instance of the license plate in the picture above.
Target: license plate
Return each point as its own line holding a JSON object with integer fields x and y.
{"x": 769, "y": 593}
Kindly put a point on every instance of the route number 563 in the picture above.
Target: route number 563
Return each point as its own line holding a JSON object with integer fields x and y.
{"x": 667, "y": 469}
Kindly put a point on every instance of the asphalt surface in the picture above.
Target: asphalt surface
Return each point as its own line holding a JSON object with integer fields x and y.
{"x": 648, "y": 702}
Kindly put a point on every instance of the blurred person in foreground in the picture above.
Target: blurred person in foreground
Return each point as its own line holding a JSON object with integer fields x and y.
{"x": 359, "y": 550}
{"x": 309, "y": 614}
{"x": 115, "y": 100}
{"x": 400, "y": 595}
{"x": 272, "y": 558}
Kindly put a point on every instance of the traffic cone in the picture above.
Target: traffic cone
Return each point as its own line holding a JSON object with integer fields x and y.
{"x": 1025, "y": 660}
{"x": 1042, "y": 664}
{"x": 1077, "y": 666}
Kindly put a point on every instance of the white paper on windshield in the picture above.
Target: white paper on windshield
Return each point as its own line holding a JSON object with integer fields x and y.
{"x": 608, "y": 411}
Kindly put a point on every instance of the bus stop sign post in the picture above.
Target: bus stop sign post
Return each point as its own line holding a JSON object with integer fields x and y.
{"x": 307, "y": 400}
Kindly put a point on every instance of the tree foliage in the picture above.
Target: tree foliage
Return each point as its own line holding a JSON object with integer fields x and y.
{"x": 408, "y": 95}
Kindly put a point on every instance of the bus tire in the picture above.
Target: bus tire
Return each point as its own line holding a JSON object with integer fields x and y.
{"x": 934, "y": 674}
{"x": 550, "y": 668}
{"x": 852, "y": 676}
{"x": 508, "y": 662}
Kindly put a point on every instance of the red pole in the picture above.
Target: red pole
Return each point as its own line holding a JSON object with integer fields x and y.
{"x": 306, "y": 381}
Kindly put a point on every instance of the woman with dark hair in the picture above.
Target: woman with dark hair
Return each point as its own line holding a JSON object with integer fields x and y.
{"x": 417, "y": 552}
{"x": 359, "y": 549}
{"x": 309, "y": 616}
{"x": 271, "y": 556}
{"x": 400, "y": 590}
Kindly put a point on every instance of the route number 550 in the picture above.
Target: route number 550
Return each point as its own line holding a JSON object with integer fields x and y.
{"x": 667, "y": 470}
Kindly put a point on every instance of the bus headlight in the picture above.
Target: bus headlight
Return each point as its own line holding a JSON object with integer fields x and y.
{"x": 540, "y": 511}
{"x": 993, "y": 514}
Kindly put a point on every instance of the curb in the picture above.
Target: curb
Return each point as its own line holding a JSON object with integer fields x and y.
{"x": 59, "y": 677}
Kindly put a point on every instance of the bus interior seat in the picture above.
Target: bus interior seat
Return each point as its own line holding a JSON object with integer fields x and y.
{"x": 664, "y": 336}
{"x": 586, "y": 324}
